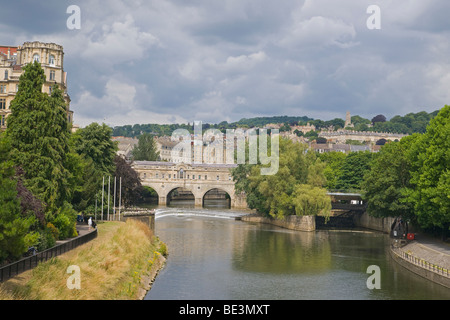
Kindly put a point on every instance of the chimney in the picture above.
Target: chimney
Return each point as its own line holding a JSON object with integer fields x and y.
{"x": 9, "y": 53}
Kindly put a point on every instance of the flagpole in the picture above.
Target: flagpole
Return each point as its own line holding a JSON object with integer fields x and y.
{"x": 114, "y": 207}
{"x": 120, "y": 194}
{"x": 109, "y": 194}
{"x": 103, "y": 191}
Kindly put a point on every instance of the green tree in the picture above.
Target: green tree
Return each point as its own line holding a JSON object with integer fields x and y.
{"x": 387, "y": 180}
{"x": 275, "y": 195}
{"x": 132, "y": 190}
{"x": 145, "y": 149}
{"x": 332, "y": 170}
{"x": 94, "y": 142}
{"x": 353, "y": 169}
{"x": 430, "y": 174}
{"x": 16, "y": 222}
{"x": 38, "y": 131}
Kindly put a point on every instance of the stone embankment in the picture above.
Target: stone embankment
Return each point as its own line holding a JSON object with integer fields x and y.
{"x": 298, "y": 223}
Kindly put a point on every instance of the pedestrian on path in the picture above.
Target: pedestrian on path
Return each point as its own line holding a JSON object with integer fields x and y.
{"x": 90, "y": 223}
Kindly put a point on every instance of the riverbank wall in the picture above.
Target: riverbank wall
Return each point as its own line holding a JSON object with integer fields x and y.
{"x": 312, "y": 223}
{"x": 298, "y": 223}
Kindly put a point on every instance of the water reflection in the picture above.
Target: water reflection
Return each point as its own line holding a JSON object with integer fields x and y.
{"x": 275, "y": 250}
{"x": 213, "y": 256}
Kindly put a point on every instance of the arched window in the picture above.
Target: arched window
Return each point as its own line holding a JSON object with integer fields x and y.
{"x": 51, "y": 60}
{"x": 36, "y": 57}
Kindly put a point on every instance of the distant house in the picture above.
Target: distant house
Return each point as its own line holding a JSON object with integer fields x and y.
{"x": 125, "y": 146}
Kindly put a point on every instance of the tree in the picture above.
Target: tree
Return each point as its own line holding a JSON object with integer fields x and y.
{"x": 378, "y": 118}
{"x": 310, "y": 200}
{"x": 145, "y": 149}
{"x": 132, "y": 189}
{"x": 386, "y": 181}
{"x": 94, "y": 142}
{"x": 353, "y": 168}
{"x": 333, "y": 164}
{"x": 275, "y": 195}
{"x": 38, "y": 131}
{"x": 16, "y": 222}
{"x": 430, "y": 173}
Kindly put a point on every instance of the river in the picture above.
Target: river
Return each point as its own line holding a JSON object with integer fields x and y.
{"x": 213, "y": 256}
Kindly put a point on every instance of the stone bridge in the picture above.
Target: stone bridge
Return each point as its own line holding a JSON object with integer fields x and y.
{"x": 199, "y": 179}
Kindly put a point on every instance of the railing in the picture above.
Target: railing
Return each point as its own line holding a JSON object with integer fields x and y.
{"x": 28, "y": 263}
{"x": 422, "y": 263}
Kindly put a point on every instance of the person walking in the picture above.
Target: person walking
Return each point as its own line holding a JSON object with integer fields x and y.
{"x": 90, "y": 223}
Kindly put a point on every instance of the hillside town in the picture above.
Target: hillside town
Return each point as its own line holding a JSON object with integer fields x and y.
{"x": 343, "y": 140}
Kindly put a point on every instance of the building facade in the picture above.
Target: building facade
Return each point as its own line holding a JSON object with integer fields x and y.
{"x": 12, "y": 61}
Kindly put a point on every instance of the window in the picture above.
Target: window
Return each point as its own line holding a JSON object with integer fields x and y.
{"x": 199, "y": 177}
{"x": 36, "y": 57}
{"x": 3, "y": 88}
{"x": 2, "y": 104}
{"x": 2, "y": 120}
{"x": 6, "y": 74}
{"x": 217, "y": 177}
{"x": 51, "y": 60}
{"x": 206, "y": 177}
{"x": 52, "y": 75}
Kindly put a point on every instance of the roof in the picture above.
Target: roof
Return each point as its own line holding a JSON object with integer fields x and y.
{"x": 4, "y": 50}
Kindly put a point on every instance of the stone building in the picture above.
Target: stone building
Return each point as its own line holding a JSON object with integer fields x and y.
{"x": 12, "y": 60}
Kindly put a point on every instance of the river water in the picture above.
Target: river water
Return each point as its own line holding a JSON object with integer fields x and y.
{"x": 212, "y": 256}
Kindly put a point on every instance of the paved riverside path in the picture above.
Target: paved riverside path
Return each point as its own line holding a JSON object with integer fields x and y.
{"x": 429, "y": 249}
{"x": 82, "y": 229}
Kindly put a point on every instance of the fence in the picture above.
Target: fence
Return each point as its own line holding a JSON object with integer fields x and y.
{"x": 28, "y": 263}
{"x": 422, "y": 263}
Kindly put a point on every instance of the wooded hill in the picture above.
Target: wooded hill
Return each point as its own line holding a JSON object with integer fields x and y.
{"x": 408, "y": 124}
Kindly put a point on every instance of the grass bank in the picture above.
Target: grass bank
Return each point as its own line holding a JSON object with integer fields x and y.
{"x": 119, "y": 264}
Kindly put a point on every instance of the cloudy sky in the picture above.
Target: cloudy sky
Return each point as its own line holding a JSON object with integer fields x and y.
{"x": 166, "y": 61}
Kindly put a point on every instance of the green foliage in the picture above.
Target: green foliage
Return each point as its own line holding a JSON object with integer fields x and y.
{"x": 411, "y": 178}
{"x": 332, "y": 170}
{"x": 278, "y": 195}
{"x": 384, "y": 185}
{"x": 16, "y": 233}
{"x": 38, "y": 130}
{"x": 430, "y": 173}
{"x": 353, "y": 169}
{"x": 132, "y": 190}
{"x": 311, "y": 200}
{"x": 64, "y": 222}
{"x": 94, "y": 142}
{"x": 145, "y": 149}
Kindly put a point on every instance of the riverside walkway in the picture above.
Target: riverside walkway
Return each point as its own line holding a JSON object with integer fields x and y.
{"x": 428, "y": 257}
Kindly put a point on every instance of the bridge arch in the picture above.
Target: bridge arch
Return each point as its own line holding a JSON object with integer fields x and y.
{"x": 215, "y": 194}
{"x": 179, "y": 193}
